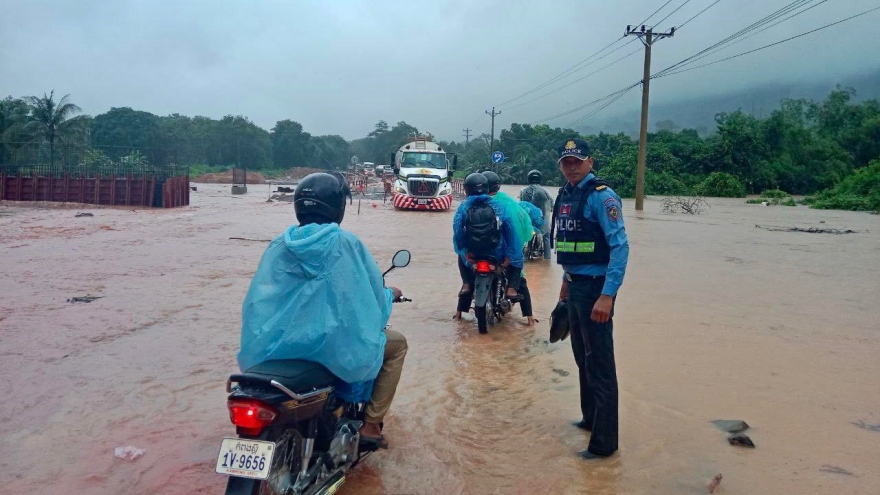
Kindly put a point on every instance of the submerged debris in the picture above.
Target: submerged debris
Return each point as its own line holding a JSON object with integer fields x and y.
{"x": 828, "y": 468}
{"x": 810, "y": 230}
{"x": 867, "y": 426}
{"x": 693, "y": 205}
{"x": 713, "y": 484}
{"x": 280, "y": 197}
{"x": 249, "y": 239}
{"x": 84, "y": 214}
{"x": 731, "y": 425}
{"x": 741, "y": 440}
{"x": 130, "y": 453}
{"x": 85, "y": 299}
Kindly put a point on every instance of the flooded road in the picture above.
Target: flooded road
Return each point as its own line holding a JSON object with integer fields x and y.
{"x": 717, "y": 319}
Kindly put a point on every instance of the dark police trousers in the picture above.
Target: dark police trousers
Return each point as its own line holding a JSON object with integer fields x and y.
{"x": 593, "y": 349}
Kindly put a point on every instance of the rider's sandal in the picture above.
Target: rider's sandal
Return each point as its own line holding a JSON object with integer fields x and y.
{"x": 374, "y": 442}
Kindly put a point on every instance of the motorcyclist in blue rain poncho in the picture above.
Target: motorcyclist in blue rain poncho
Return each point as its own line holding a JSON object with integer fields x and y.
{"x": 507, "y": 250}
{"x": 535, "y": 216}
{"x": 521, "y": 222}
{"x": 318, "y": 295}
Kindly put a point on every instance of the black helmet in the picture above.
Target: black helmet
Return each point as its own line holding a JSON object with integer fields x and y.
{"x": 494, "y": 181}
{"x": 534, "y": 177}
{"x": 476, "y": 183}
{"x": 320, "y": 198}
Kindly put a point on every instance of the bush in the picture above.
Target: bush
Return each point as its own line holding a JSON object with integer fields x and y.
{"x": 859, "y": 192}
{"x": 775, "y": 193}
{"x": 721, "y": 185}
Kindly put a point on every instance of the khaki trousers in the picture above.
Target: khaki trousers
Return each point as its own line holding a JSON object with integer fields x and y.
{"x": 389, "y": 375}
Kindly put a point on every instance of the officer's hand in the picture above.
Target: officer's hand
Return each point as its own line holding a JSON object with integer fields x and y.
{"x": 602, "y": 309}
{"x": 563, "y": 292}
{"x": 397, "y": 293}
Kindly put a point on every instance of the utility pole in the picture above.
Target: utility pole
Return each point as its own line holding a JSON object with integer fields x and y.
{"x": 648, "y": 37}
{"x": 493, "y": 113}
{"x": 467, "y": 135}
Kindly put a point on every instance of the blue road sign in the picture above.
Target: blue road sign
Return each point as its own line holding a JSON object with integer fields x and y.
{"x": 497, "y": 157}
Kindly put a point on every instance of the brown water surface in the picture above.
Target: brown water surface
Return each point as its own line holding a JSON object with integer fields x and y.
{"x": 717, "y": 319}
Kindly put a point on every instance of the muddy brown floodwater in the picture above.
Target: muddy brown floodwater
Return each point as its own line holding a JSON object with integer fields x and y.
{"x": 717, "y": 319}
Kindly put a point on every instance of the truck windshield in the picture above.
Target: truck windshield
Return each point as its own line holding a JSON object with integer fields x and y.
{"x": 427, "y": 160}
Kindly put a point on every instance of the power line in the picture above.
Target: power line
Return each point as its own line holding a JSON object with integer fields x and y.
{"x": 741, "y": 39}
{"x": 586, "y": 105}
{"x": 620, "y": 95}
{"x": 655, "y": 13}
{"x": 771, "y": 44}
{"x": 674, "y": 11}
{"x": 577, "y": 80}
{"x": 788, "y": 8}
{"x": 697, "y": 15}
{"x": 757, "y": 24}
{"x": 571, "y": 70}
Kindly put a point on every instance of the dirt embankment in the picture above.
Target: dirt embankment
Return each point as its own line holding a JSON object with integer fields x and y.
{"x": 256, "y": 177}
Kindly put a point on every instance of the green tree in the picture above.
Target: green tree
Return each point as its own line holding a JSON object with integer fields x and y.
{"x": 13, "y": 119}
{"x": 290, "y": 145}
{"x": 53, "y": 122}
{"x": 121, "y": 129}
{"x": 331, "y": 152}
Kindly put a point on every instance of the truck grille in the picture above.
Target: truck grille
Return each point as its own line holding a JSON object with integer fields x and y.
{"x": 423, "y": 188}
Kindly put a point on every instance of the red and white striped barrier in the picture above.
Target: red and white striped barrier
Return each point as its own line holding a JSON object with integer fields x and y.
{"x": 457, "y": 187}
{"x": 405, "y": 202}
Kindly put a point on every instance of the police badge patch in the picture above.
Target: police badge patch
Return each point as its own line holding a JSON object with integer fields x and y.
{"x": 613, "y": 213}
{"x": 565, "y": 209}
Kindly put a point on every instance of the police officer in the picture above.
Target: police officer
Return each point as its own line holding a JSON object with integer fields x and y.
{"x": 592, "y": 248}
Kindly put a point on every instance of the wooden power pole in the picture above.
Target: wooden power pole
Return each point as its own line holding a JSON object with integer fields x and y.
{"x": 492, "y": 143}
{"x": 648, "y": 38}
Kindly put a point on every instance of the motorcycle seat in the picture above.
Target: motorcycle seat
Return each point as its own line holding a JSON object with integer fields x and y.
{"x": 297, "y": 375}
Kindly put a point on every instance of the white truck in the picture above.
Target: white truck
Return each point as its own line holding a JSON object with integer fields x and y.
{"x": 422, "y": 171}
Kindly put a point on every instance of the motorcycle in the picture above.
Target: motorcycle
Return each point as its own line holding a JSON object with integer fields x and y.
{"x": 296, "y": 435}
{"x": 490, "y": 294}
{"x": 535, "y": 248}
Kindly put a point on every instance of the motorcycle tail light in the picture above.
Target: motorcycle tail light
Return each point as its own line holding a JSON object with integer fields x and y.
{"x": 251, "y": 416}
{"x": 483, "y": 267}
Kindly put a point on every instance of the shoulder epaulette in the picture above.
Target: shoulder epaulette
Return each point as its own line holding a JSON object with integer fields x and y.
{"x": 600, "y": 187}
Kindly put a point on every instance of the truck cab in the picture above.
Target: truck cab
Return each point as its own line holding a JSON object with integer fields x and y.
{"x": 422, "y": 169}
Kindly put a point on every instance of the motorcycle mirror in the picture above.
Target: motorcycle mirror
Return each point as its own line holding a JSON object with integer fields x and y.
{"x": 401, "y": 259}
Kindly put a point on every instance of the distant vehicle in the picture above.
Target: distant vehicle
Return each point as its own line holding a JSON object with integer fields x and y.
{"x": 379, "y": 170}
{"x": 422, "y": 169}
{"x": 369, "y": 168}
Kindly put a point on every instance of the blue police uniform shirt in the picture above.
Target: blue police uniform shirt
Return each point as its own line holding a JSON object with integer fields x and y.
{"x": 605, "y": 208}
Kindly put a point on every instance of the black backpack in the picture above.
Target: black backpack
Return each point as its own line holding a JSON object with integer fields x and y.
{"x": 482, "y": 230}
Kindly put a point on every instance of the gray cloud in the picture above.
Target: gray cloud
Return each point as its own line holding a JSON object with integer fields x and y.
{"x": 339, "y": 66}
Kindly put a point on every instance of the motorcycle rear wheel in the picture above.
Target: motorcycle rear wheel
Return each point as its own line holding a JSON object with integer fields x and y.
{"x": 482, "y": 323}
{"x": 285, "y": 465}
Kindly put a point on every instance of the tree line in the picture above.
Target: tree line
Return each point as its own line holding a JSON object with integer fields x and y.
{"x": 802, "y": 147}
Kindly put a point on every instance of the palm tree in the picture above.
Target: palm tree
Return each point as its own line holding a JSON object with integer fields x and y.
{"x": 51, "y": 120}
{"x": 13, "y": 117}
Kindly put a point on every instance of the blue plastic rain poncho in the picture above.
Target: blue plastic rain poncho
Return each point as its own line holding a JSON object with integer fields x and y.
{"x": 509, "y": 247}
{"x": 317, "y": 295}
{"x": 522, "y": 223}
{"x": 535, "y": 215}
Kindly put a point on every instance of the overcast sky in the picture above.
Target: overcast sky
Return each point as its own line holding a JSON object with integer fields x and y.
{"x": 338, "y": 66}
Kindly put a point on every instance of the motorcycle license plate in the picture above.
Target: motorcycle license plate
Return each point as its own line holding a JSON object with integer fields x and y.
{"x": 422, "y": 201}
{"x": 245, "y": 458}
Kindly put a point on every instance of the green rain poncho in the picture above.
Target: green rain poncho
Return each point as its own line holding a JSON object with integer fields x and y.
{"x": 522, "y": 222}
